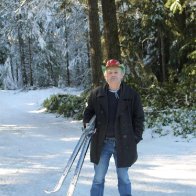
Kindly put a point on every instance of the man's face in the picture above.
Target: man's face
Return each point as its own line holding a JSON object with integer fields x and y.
{"x": 113, "y": 76}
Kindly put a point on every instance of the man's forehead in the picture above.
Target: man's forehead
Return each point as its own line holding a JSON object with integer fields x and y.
{"x": 113, "y": 69}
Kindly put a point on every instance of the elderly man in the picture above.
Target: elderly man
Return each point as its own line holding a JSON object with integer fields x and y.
{"x": 119, "y": 127}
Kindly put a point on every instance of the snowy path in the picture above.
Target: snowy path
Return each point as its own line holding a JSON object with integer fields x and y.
{"x": 35, "y": 146}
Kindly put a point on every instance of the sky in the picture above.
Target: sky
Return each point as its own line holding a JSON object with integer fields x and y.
{"x": 35, "y": 147}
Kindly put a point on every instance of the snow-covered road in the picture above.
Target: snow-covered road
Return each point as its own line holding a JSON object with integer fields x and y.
{"x": 35, "y": 146}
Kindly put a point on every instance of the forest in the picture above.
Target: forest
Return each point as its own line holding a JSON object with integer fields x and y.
{"x": 64, "y": 43}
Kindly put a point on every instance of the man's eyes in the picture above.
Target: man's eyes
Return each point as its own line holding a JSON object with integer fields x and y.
{"x": 113, "y": 72}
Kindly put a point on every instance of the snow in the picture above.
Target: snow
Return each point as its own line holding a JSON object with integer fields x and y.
{"x": 35, "y": 146}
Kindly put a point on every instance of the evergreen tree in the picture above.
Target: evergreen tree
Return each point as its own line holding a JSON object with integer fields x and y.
{"x": 95, "y": 42}
{"x": 112, "y": 45}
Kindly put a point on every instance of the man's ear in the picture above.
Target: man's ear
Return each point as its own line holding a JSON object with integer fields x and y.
{"x": 103, "y": 68}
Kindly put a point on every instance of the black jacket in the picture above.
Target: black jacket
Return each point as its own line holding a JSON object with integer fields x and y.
{"x": 128, "y": 125}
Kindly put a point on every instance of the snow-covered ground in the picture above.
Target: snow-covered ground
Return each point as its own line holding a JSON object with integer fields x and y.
{"x": 35, "y": 146}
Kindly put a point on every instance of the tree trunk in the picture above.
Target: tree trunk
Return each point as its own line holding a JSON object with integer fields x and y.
{"x": 110, "y": 29}
{"x": 67, "y": 59}
{"x": 21, "y": 48}
{"x": 66, "y": 45}
{"x": 12, "y": 68}
{"x": 88, "y": 49}
{"x": 22, "y": 56}
{"x": 30, "y": 63}
{"x": 162, "y": 48}
{"x": 95, "y": 42}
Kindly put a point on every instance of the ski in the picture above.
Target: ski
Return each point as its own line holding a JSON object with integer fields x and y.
{"x": 89, "y": 130}
{"x": 68, "y": 166}
{"x": 79, "y": 166}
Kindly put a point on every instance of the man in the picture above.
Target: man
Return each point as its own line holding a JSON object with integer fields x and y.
{"x": 119, "y": 127}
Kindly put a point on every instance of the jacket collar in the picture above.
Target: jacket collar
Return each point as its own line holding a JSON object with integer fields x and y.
{"x": 102, "y": 95}
{"x": 104, "y": 89}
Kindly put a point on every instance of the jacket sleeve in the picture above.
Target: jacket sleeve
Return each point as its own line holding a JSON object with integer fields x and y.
{"x": 138, "y": 118}
{"x": 89, "y": 110}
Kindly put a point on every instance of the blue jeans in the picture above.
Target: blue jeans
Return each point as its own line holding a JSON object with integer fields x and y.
{"x": 124, "y": 184}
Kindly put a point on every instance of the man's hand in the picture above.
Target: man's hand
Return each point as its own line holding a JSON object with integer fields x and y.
{"x": 84, "y": 125}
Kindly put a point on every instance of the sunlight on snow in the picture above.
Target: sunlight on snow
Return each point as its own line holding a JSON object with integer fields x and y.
{"x": 30, "y": 104}
{"x": 38, "y": 111}
{"x": 69, "y": 139}
{"x": 14, "y": 127}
